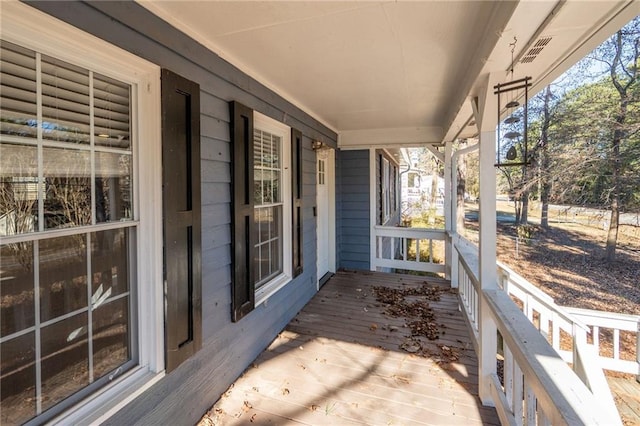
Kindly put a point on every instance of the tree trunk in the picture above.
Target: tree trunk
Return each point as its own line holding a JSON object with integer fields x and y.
{"x": 524, "y": 214}
{"x": 618, "y": 137}
{"x": 545, "y": 186}
{"x": 612, "y": 235}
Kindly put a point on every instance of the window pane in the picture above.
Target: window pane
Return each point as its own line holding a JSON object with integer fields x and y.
{"x": 63, "y": 276}
{"x": 109, "y": 265}
{"x": 65, "y": 364}
{"x": 113, "y": 187}
{"x": 268, "y": 261}
{"x": 111, "y": 101}
{"x": 276, "y": 259}
{"x": 65, "y": 101}
{"x": 110, "y": 336}
{"x": 18, "y": 189}
{"x": 18, "y": 380}
{"x": 17, "y": 91}
{"x": 67, "y": 175}
{"x": 16, "y": 289}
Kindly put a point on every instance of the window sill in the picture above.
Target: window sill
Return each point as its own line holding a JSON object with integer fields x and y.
{"x": 97, "y": 408}
{"x": 269, "y": 289}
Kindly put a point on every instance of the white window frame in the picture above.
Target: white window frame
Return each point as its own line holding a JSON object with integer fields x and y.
{"x": 28, "y": 27}
{"x": 268, "y": 124}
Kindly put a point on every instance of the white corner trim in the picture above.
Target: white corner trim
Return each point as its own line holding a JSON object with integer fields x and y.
{"x": 373, "y": 211}
{"x": 331, "y": 179}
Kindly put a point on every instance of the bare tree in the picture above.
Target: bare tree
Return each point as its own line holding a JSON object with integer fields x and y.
{"x": 620, "y": 54}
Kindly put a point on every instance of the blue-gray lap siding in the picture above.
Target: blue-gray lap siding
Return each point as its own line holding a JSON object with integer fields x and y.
{"x": 354, "y": 210}
{"x": 228, "y": 348}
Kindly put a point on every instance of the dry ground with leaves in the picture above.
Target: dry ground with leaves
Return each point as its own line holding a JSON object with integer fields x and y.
{"x": 567, "y": 262}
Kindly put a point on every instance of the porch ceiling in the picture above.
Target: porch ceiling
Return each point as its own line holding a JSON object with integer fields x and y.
{"x": 390, "y": 72}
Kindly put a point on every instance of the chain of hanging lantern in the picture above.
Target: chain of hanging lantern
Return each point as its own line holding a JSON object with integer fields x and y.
{"x": 512, "y": 132}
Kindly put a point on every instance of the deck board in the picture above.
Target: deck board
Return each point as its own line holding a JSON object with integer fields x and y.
{"x": 626, "y": 392}
{"x": 339, "y": 361}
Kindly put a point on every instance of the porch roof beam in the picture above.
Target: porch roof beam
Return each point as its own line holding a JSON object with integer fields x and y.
{"x": 389, "y": 137}
{"x": 433, "y": 150}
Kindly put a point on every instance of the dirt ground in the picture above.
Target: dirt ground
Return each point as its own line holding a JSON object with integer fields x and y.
{"x": 567, "y": 262}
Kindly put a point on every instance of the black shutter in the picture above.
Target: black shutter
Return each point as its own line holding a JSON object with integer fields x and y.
{"x": 243, "y": 229}
{"x": 181, "y": 208}
{"x": 296, "y": 194}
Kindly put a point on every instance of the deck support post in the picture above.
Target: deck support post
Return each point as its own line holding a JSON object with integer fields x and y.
{"x": 449, "y": 220}
{"x": 485, "y": 111}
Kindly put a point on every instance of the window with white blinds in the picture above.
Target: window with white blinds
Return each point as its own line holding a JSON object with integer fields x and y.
{"x": 69, "y": 129}
{"x": 272, "y": 262}
{"x": 268, "y": 201}
{"x": 67, "y": 230}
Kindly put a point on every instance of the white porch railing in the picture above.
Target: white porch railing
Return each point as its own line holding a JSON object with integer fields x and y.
{"x": 550, "y": 319}
{"x": 614, "y": 324}
{"x": 392, "y": 249}
{"x": 537, "y": 385}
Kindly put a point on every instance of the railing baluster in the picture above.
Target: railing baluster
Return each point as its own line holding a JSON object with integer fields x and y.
{"x": 530, "y": 405}
{"x": 430, "y": 251}
{"x": 543, "y": 420}
{"x": 508, "y": 375}
{"x": 555, "y": 332}
{"x": 405, "y": 243}
{"x": 544, "y": 323}
{"x": 518, "y": 398}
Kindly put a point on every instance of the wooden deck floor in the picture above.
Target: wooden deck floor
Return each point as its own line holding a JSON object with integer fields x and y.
{"x": 340, "y": 362}
{"x": 626, "y": 392}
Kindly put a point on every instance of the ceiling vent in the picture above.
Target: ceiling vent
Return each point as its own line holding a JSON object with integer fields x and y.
{"x": 535, "y": 50}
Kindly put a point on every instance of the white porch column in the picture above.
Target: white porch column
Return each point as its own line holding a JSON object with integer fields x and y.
{"x": 486, "y": 117}
{"x": 454, "y": 209}
{"x": 449, "y": 218}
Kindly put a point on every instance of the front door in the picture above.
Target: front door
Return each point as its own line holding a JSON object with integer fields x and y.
{"x": 324, "y": 179}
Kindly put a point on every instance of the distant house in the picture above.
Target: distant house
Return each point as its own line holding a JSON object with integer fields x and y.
{"x": 418, "y": 192}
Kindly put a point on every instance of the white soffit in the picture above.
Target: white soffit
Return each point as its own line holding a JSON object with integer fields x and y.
{"x": 367, "y": 69}
{"x": 352, "y": 65}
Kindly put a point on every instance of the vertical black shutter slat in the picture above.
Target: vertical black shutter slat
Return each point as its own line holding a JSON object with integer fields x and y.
{"x": 296, "y": 190}
{"x": 243, "y": 239}
{"x": 181, "y": 217}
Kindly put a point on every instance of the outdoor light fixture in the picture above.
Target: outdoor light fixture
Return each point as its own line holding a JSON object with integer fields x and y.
{"x": 512, "y": 132}
{"x": 317, "y": 145}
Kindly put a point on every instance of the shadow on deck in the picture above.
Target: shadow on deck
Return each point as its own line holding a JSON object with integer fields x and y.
{"x": 342, "y": 360}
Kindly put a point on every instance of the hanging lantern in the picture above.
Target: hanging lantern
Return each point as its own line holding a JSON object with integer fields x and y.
{"x": 512, "y": 132}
